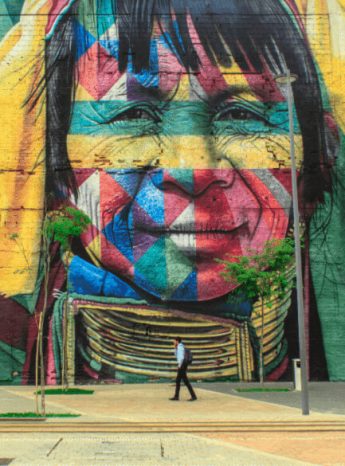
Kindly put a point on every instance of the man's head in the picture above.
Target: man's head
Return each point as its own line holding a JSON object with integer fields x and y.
{"x": 177, "y": 341}
{"x": 178, "y": 136}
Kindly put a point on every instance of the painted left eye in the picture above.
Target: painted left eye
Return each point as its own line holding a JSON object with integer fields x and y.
{"x": 237, "y": 114}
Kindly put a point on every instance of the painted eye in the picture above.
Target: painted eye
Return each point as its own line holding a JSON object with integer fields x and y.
{"x": 237, "y": 114}
{"x": 133, "y": 114}
{"x": 136, "y": 114}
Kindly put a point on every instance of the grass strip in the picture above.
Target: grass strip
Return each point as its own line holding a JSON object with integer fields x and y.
{"x": 241, "y": 390}
{"x": 28, "y": 414}
{"x": 66, "y": 391}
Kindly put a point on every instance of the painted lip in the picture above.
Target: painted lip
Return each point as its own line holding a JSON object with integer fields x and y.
{"x": 193, "y": 229}
{"x": 199, "y": 242}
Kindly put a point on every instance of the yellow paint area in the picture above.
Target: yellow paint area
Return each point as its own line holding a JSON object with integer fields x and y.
{"x": 182, "y": 152}
{"x": 234, "y": 76}
{"x": 81, "y": 94}
{"x": 325, "y": 23}
{"x": 22, "y": 140}
{"x": 94, "y": 250}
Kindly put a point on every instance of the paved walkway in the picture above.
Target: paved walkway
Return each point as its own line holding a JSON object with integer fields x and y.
{"x": 150, "y": 403}
{"x": 137, "y": 424}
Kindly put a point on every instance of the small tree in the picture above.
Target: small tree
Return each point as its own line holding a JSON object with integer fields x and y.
{"x": 261, "y": 275}
{"x": 60, "y": 226}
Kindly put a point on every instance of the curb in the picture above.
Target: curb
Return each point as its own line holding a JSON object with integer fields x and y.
{"x": 10, "y": 426}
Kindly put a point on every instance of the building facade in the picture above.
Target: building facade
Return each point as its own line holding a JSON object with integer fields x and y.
{"x": 163, "y": 123}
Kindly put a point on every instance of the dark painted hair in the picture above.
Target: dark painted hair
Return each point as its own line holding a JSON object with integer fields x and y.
{"x": 254, "y": 31}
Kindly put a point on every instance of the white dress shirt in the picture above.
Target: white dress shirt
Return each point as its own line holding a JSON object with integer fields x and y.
{"x": 179, "y": 353}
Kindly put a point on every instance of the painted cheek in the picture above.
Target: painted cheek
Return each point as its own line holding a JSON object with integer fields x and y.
{"x": 116, "y": 152}
{"x": 259, "y": 151}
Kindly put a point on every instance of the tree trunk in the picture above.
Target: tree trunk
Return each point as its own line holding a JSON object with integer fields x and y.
{"x": 261, "y": 363}
{"x": 40, "y": 369}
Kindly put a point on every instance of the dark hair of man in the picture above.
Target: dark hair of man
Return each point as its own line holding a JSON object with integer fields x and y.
{"x": 178, "y": 339}
{"x": 254, "y": 33}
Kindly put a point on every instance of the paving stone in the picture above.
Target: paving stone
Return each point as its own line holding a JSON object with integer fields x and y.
{"x": 135, "y": 449}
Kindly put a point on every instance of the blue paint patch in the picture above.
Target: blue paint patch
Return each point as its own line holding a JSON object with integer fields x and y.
{"x": 112, "y": 46}
{"x": 188, "y": 290}
{"x": 150, "y": 77}
{"x": 166, "y": 41}
{"x": 118, "y": 232}
{"x": 150, "y": 198}
{"x": 87, "y": 279}
{"x": 129, "y": 180}
{"x": 84, "y": 39}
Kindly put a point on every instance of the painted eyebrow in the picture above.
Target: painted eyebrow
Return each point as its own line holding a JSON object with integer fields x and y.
{"x": 151, "y": 93}
{"x": 231, "y": 91}
{"x": 156, "y": 94}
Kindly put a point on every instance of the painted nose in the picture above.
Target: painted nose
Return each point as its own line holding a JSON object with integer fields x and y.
{"x": 187, "y": 152}
{"x": 192, "y": 152}
{"x": 193, "y": 183}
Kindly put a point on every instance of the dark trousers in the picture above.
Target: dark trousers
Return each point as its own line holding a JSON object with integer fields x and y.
{"x": 182, "y": 375}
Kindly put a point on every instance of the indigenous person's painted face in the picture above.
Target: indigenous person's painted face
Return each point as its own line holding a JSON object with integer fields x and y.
{"x": 177, "y": 168}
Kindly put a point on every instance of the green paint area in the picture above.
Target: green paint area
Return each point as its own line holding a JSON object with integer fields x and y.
{"x": 184, "y": 176}
{"x": 178, "y": 266}
{"x": 157, "y": 275}
{"x": 14, "y": 8}
{"x": 9, "y": 15}
{"x": 179, "y": 118}
{"x": 34, "y": 415}
{"x": 66, "y": 391}
{"x": 96, "y": 17}
{"x": 5, "y": 20}
{"x": 261, "y": 389}
{"x": 11, "y": 363}
{"x": 327, "y": 261}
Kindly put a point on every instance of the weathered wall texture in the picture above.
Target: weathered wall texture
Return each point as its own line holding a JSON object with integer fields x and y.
{"x": 162, "y": 121}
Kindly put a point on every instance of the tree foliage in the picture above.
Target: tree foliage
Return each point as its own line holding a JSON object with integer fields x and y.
{"x": 64, "y": 224}
{"x": 60, "y": 226}
{"x": 261, "y": 274}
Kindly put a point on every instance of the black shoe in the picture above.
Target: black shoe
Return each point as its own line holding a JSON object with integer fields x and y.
{"x": 174, "y": 399}
{"x": 194, "y": 398}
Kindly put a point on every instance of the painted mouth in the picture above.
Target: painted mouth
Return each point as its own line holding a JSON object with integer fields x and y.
{"x": 191, "y": 229}
{"x": 201, "y": 240}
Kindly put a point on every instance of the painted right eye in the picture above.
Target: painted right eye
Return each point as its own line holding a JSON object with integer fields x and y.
{"x": 135, "y": 114}
{"x": 237, "y": 114}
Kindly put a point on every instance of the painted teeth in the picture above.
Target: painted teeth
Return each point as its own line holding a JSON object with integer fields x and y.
{"x": 184, "y": 240}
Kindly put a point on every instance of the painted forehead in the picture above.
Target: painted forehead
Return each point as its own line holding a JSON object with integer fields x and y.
{"x": 99, "y": 76}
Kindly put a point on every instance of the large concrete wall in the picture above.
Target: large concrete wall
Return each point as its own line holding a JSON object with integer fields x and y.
{"x": 165, "y": 126}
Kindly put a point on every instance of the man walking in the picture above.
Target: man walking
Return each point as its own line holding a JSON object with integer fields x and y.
{"x": 182, "y": 363}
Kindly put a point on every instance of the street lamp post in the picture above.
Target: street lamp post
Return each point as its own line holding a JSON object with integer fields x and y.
{"x": 286, "y": 80}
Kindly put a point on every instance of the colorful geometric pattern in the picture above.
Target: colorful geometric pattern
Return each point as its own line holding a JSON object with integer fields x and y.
{"x": 163, "y": 229}
{"x": 98, "y": 53}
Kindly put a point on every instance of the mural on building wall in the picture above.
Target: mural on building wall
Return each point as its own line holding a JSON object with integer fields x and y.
{"x": 162, "y": 121}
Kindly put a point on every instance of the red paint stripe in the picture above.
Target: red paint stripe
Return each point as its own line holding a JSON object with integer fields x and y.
{"x": 59, "y": 8}
{"x": 279, "y": 371}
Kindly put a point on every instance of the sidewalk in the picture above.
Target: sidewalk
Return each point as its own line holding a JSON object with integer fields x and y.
{"x": 146, "y": 408}
{"x": 137, "y": 425}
